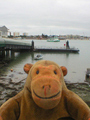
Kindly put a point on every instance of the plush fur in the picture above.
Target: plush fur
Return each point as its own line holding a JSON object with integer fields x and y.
{"x": 45, "y": 96}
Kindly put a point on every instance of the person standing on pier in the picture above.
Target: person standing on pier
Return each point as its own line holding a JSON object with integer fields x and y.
{"x": 67, "y": 45}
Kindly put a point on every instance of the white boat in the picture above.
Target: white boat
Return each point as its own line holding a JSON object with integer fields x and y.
{"x": 55, "y": 39}
{"x": 38, "y": 57}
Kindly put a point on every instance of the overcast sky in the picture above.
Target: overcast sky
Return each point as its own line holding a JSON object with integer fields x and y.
{"x": 60, "y": 17}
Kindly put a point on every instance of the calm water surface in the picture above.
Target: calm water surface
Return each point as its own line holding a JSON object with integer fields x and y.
{"x": 76, "y": 63}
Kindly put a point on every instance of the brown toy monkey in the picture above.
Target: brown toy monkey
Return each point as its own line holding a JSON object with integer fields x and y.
{"x": 45, "y": 97}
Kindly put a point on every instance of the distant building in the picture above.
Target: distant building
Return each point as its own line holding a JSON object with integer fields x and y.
{"x": 25, "y": 34}
{"x": 4, "y": 31}
{"x": 16, "y": 34}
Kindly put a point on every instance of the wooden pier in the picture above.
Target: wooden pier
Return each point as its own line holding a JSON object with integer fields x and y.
{"x": 8, "y": 47}
{"x": 15, "y": 45}
{"x": 20, "y": 45}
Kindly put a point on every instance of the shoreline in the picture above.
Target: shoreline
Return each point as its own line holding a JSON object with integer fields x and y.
{"x": 18, "y": 38}
{"x": 10, "y": 87}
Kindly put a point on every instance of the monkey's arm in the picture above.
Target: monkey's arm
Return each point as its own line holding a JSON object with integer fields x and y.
{"x": 76, "y": 107}
{"x": 9, "y": 110}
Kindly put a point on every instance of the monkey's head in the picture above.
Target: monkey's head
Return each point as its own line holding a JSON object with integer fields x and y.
{"x": 45, "y": 82}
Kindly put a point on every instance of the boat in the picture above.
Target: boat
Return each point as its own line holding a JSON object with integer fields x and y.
{"x": 38, "y": 57}
{"x": 55, "y": 39}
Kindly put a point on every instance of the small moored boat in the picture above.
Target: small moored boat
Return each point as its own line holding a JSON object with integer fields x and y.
{"x": 38, "y": 57}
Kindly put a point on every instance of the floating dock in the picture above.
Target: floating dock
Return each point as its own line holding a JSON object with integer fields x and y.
{"x": 8, "y": 44}
{"x": 72, "y": 50}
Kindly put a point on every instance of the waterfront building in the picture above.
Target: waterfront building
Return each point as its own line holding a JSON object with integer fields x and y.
{"x": 25, "y": 34}
{"x": 4, "y": 31}
{"x": 16, "y": 34}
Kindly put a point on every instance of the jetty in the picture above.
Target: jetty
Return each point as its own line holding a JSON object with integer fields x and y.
{"x": 15, "y": 45}
{"x": 72, "y": 50}
{"x": 66, "y": 49}
{"x": 20, "y": 45}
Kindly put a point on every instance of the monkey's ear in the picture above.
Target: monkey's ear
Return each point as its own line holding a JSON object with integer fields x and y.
{"x": 64, "y": 70}
{"x": 27, "y": 67}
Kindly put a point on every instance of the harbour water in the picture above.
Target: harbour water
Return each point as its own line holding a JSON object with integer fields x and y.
{"x": 76, "y": 63}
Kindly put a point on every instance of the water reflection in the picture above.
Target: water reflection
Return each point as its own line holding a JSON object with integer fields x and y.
{"x": 16, "y": 60}
{"x": 12, "y": 55}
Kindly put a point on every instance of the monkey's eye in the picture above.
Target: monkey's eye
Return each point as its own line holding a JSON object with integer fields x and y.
{"x": 37, "y": 72}
{"x": 55, "y": 72}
